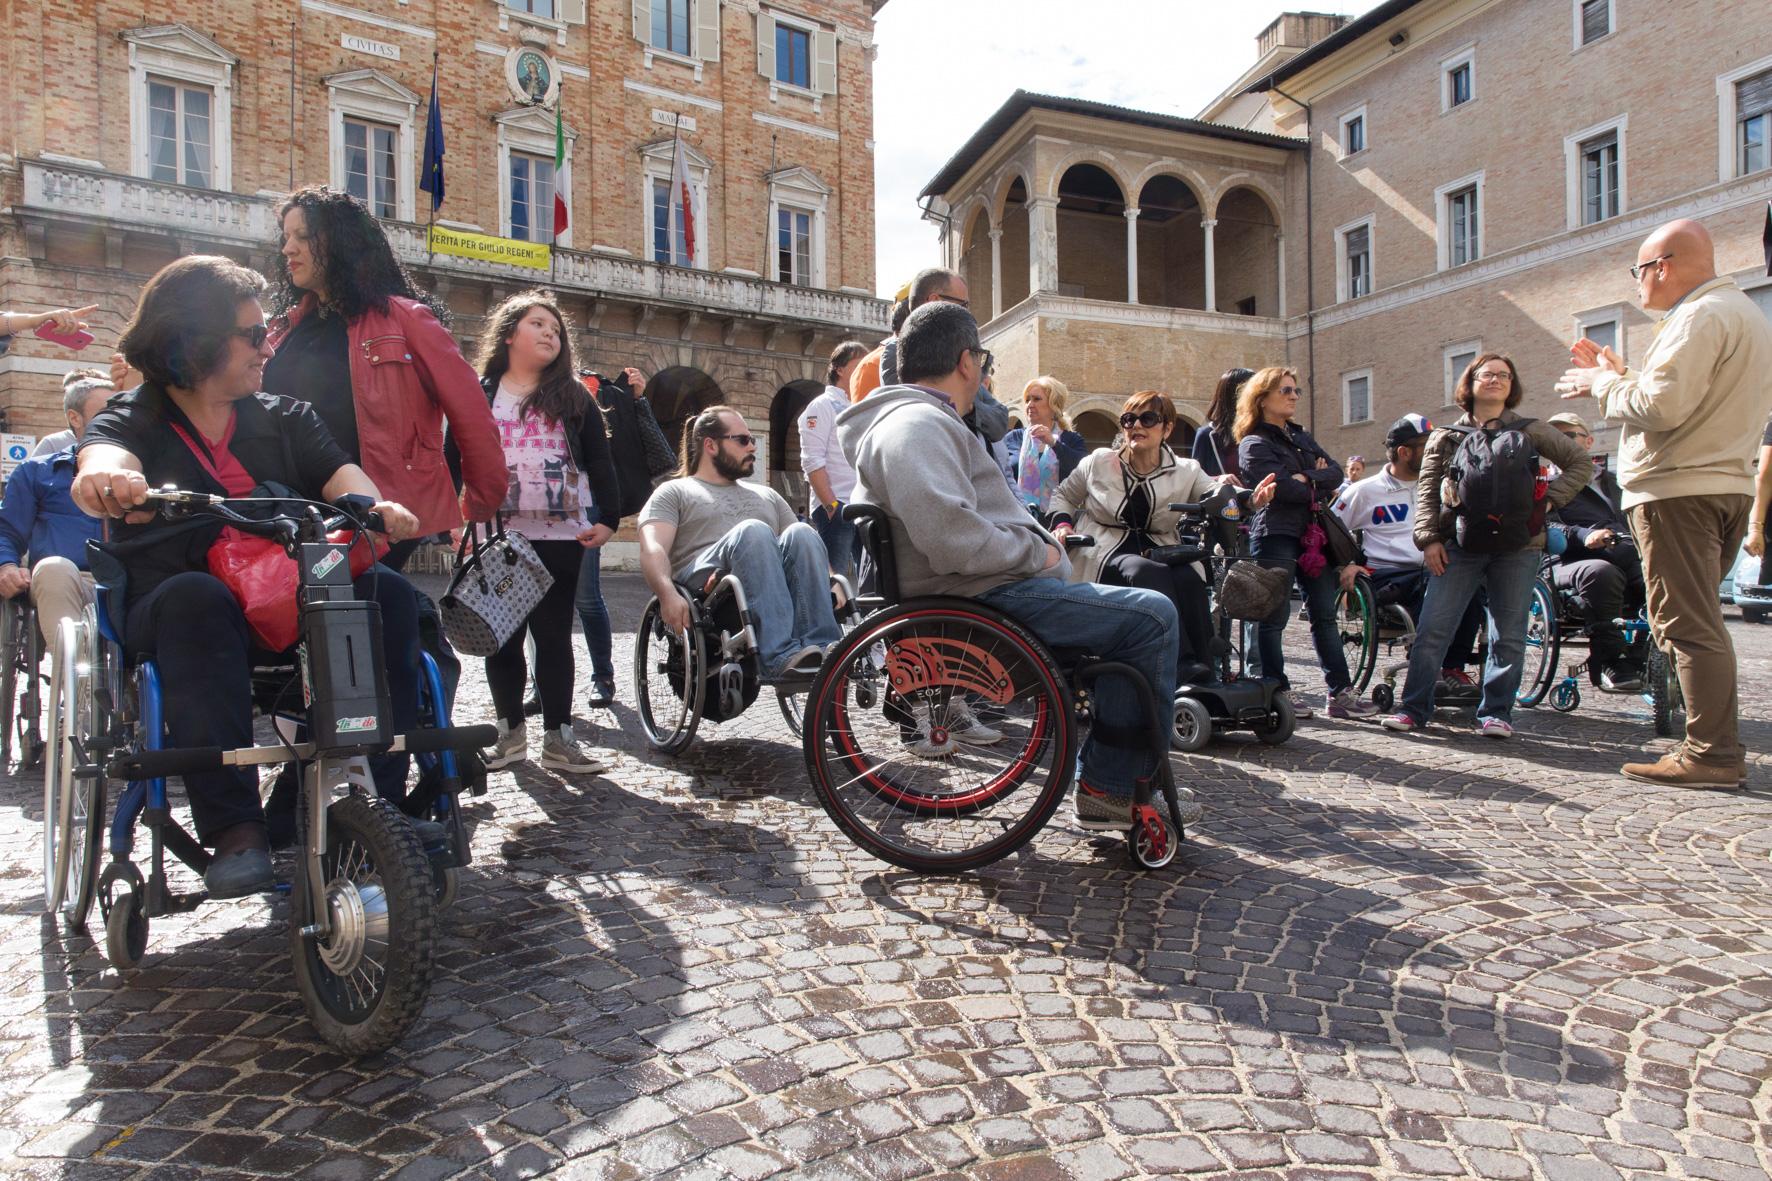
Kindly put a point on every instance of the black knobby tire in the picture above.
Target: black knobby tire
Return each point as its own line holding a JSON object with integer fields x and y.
{"x": 1282, "y": 720}
{"x": 1356, "y": 619}
{"x": 1662, "y": 690}
{"x": 367, "y": 999}
{"x": 1543, "y": 642}
{"x": 670, "y": 680}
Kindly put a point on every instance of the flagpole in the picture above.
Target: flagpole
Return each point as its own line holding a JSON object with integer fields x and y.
{"x": 676, "y": 217}
{"x": 559, "y": 152}
{"x": 431, "y": 217}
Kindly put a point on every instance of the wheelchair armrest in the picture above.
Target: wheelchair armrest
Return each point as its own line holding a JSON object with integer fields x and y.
{"x": 1078, "y": 541}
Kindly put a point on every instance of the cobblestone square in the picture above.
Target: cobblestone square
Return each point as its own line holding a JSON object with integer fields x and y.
{"x": 1378, "y": 956}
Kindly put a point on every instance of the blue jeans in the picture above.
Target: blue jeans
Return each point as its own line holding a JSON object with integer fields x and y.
{"x": 1411, "y": 591}
{"x": 1120, "y": 623}
{"x": 786, "y": 580}
{"x": 841, "y": 542}
{"x": 1319, "y": 602}
{"x": 1508, "y": 578}
{"x": 593, "y": 615}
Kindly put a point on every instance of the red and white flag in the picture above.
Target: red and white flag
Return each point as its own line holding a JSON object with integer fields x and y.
{"x": 682, "y": 208}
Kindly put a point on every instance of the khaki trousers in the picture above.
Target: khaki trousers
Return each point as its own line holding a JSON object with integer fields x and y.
{"x": 59, "y": 590}
{"x": 1688, "y": 545}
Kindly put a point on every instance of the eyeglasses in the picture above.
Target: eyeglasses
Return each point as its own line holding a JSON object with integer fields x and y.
{"x": 741, "y": 440}
{"x": 1148, "y": 419}
{"x": 254, "y": 335}
{"x": 1290, "y": 391}
{"x": 1636, "y": 272}
{"x": 946, "y": 298}
{"x": 986, "y": 362}
{"x": 1494, "y": 375}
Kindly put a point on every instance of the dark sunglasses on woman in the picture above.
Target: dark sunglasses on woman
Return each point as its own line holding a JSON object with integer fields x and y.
{"x": 1148, "y": 419}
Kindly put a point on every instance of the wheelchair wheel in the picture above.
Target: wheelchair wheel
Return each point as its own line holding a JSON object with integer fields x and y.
{"x": 1566, "y": 696}
{"x": 1282, "y": 721}
{"x": 11, "y": 617}
{"x": 793, "y": 709}
{"x": 1543, "y": 642}
{"x": 1152, "y": 841}
{"x": 126, "y": 931}
{"x": 364, "y": 983}
{"x": 1193, "y": 726}
{"x": 1384, "y": 696}
{"x": 1663, "y": 691}
{"x": 73, "y": 797}
{"x": 894, "y": 780}
{"x": 1356, "y": 618}
{"x": 670, "y": 678}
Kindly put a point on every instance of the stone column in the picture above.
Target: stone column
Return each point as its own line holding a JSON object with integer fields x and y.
{"x": 1131, "y": 214}
{"x": 1043, "y": 244}
{"x": 1209, "y": 224}
{"x": 996, "y": 272}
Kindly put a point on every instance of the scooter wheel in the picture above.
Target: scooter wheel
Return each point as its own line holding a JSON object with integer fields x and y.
{"x": 1193, "y": 725}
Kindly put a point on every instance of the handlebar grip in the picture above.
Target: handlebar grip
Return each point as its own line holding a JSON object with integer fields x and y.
{"x": 1186, "y": 507}
{"x": 420, "y": 742}
{"x": 374, "y": 523}
{"x": 1078, "y": 541}
{"x": 157, "y": 764}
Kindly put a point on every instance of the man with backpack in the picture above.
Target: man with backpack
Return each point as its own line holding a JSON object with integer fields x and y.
{"x": 1480, "y": 505}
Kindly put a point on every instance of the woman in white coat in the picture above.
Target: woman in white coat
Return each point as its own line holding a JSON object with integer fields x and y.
{"x": 1121, "y": 497}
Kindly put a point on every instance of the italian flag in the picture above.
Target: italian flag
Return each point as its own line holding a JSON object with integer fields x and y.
{"x": 562, "y": 175}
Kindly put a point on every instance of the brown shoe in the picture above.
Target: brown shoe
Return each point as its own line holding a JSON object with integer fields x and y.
{"x": 1675, "y": 769}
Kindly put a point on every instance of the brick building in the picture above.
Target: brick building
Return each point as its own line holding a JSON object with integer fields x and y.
{"x": 1377, "y": 200}
{"x": 136, "y": 132}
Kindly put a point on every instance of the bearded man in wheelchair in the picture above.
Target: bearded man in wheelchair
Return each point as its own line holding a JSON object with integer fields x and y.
{"x": 198, "y": 423}
{"x": 1599, "y": 572}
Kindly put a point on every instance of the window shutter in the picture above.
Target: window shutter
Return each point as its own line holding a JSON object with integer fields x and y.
{"x": 766, "y": 45}
{"x": 824, "y": 62}
{"x": 1356, "y": 241}
{"x": 643, "y": 21}
{"x": 1595, "y": 19}
{"x": 707, "y": 30}
{"x": 572, "y": 11}
{"x": 1753, "y": 96}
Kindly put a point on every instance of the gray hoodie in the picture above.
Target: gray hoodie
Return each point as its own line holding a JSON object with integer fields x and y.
{"x": 957, "y": 529}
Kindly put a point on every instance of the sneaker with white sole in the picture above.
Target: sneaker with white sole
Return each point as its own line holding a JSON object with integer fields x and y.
{"x": 1191, "y": 808}
{"x": 964, "y": 725}
{"x": 930, "y": 742}
{"x": 1100, "y": 812}
{"x": 1301, "y": 706}
{"x": 1401, "y": 723}
{"x": 1495, "y": 728}
{"x": 1347, "y": 704}
{"x": 560, "y": 751}
{"x": 513, "y": 746}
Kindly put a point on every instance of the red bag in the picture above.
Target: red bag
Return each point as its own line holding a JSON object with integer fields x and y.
{"x": 262, "y": 579}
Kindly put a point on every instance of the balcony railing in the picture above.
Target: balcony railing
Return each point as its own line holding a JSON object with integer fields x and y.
{"x": 131, "y": 203}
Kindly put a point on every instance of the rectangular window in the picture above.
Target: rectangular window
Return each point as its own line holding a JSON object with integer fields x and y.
{"x": 1458, "y": 359}
{"x": 179, "y": 139}
{"x": 1463, "y": 241}
{"x": 1753, "y": 115}
{"x": 793, "y": 247}
{"x": 793, "y": 56}
{"x": 532, "y": 198}
{"x": 1603, "y": 333}
{"x": 670, "y": 26}
{"x": 1353, "y": 135}
{"x": 661, "y": 224}
{"x": 533, "y": 7}
{"x": 1599, "y": 178}
{"x": 1359, "y": 262}
{"x": 1356, "y": 397}
{"x": 370, "y": 156}
{"x": 1596, "y": 20}
{"x": 1458, "y": 85}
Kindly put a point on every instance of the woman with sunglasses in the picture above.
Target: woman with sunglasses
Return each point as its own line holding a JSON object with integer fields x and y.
{"x": 1036, "y": 457}
{"x": 1121, "y": 497}
{"x": 1271, "y": 446}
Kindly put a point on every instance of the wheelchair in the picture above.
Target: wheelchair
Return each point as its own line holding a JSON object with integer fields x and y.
{"x": 21, "y": 659}
{"x": 909, "y": 664}
{"x": 366, "y": 889}
{"x": 712, "y": 672}
{"x": 1660, "y": 689}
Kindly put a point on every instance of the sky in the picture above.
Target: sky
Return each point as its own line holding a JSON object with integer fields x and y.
{"x": 945, "y": 65}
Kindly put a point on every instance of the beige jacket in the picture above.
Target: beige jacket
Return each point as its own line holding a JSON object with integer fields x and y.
{"x": 1435, "y": 522}
{"x": 1095, "y": 492}
{"x": 1694, "y": 409}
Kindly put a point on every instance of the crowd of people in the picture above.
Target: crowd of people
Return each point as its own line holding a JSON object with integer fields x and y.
{"x": 339, "y": 376}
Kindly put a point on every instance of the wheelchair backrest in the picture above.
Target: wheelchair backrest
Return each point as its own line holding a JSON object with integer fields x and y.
{"x": 875, "y": 530}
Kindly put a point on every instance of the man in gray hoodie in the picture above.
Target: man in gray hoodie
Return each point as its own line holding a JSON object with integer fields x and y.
{"x": 958, "y": 530}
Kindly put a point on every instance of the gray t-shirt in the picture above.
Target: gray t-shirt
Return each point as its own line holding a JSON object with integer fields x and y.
{"x": 704, "y": 512}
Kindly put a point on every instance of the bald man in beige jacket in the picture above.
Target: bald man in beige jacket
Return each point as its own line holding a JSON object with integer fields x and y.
{"x": 1691, "y": 414}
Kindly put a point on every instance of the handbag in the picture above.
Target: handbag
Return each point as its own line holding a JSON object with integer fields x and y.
{"x": 1340, "y": 545}
{"x": 497, "y": 583}
{"x": 1252, "y": 590}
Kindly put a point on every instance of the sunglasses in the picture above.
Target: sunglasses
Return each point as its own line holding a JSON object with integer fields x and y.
{"x": 254, "y": 336}
{"x": 954, "y": 299}
{"x": 741, "y": 440}
{"x": 1148, "y": 419}
{"x": 1636, "y": 272}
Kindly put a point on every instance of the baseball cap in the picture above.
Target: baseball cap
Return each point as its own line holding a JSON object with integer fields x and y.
{"x": 1569, "y": 419}
{"x": 1407, "y": 429}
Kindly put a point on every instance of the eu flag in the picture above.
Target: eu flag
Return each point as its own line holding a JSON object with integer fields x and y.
{"x": 431, "y": 179}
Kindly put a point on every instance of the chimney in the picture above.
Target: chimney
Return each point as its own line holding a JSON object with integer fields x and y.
{"x": 1296, "y": 31}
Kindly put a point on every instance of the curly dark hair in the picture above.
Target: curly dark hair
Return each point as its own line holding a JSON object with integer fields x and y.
{"x": 561, "y": 397}
{"x": 185, "y": 319}
{"x": 352, "y": 252}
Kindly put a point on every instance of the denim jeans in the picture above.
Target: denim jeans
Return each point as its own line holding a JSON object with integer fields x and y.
{"x": 1411, "y": 584}
{"x": 1508, "y": 578}
{"x": 786, "y": 580}
{"x": 1319, "y": 602}
{"x": 593, "y": 615}
{"x": 1120, "y": 623}
{"x": 841, "y": 542}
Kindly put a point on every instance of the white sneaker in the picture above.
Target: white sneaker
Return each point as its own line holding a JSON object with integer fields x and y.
{"x": 1191, "y": 808}
{"x": 964, "y": 725}
{"x": 1301, "y": 706}
{"x": 513, "y": 746}
{"x": 560, "y": 751}
{"x": 924, "y": 745}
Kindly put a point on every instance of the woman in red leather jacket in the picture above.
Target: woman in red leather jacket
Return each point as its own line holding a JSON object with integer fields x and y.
{"x": 356, "y": 338}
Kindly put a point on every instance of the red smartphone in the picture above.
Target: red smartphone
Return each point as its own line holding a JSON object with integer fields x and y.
{"x": 77, "y": 339}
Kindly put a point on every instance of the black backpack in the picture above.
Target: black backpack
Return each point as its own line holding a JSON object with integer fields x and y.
{"x": 1497, "y": 488}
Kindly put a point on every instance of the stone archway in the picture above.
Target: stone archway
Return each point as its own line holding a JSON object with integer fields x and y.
{"x": 677, "y": 395}
{"x": 1013, "y": 221}
{"x": 785, "y": 408}
{"x": 975, "y": 261}
{"x": 1247, "y": 254}
{"x": 1091, "y": 234}
{"x": 1098, "y": 428}
{"x": 1171, "y": 244}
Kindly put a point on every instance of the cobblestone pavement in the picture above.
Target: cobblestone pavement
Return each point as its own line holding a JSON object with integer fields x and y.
{"x": 1379, "y": 956}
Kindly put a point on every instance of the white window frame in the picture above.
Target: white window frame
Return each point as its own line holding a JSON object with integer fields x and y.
{"x": 798, "y": 189}
{"x": 1341, "y": 267}
{"x": 820, "y": 42}
{"x": 1452, "y": 372}
{"x": 1612, "y": 314}
{"x": 1572, "y": 168}
{"x": 1464, "y": 57}
{"x": 656, "y": 165}
{"x": 1443, "y": 220}
{"x": 178, "y": 53}
{"x": 1347, "y": 382}
{"x": 566, "y": 12}
{"x": 373, "y": 96}
{"x": 1359, "y": 113}
{"x": 1726, "y": 110}
{"x": 530, "y": 130}
{"x": 704, "y": 36}
{"x": 1611, "y": 24}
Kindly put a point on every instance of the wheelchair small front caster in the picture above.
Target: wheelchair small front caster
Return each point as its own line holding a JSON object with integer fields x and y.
{"x": 1565, "y": 697}
{"x": 1151, "y": 841}
{"x": 1383, "y": 696}
{"x": 126, "y": 931}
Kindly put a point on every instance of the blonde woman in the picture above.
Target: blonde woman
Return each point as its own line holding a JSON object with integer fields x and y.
{"x": 1036, "y": 457}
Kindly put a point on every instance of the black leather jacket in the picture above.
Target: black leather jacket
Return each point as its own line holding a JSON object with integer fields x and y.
{"x": 1284, "y": 452}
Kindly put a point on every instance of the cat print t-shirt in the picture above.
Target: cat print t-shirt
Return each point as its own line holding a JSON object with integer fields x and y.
{"x": 546, "y": 497}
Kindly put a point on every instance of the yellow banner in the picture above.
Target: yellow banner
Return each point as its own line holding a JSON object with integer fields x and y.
{"x": 487, "y": 248}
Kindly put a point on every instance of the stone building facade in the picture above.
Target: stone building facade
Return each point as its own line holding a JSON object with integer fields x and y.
{"x": 1444, "y": 177}
{"x": 138, "y": 132}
